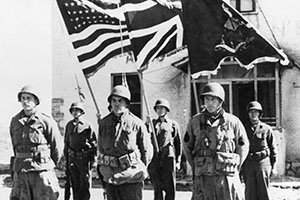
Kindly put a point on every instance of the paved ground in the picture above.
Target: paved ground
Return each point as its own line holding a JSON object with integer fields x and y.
{"x": 97, "y": 194}
{"x": 286, "y": 189}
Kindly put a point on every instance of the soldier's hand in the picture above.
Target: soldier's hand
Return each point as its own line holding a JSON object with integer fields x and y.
{"x": 166, "y": 3}
{"x": 273, "y": 171}
{"x": 148, "y": 119}
{"x": 98, "y": 115}
{"x": 177, "y": 165}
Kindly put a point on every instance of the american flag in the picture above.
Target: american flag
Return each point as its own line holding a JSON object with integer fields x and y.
{"x": 97, "y": 34}
{"x": 154, "y": 29}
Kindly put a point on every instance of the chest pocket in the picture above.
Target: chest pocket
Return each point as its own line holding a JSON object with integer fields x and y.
{"x": 165, "y": 134}
{"x": 16, "y": 135}
{"x": 35, "y": 134}
{"x": 260, "y": 135}
{"x": 229, "y": 143}
{"x": 127, "y": 137}
{"x": 260, "y": 138}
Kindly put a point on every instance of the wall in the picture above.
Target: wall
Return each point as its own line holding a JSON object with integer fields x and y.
{"x": 290, "y": 83}
{"x": 279, "y": 22}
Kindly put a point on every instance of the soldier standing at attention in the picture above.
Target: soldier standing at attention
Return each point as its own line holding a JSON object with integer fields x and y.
{"x": 125, "y": 148}
{"x": 81, "y": 149}
{"x": 260, "y": 163}
{"x": 215, "y": 146}
{"x": 162, "y": 168}
{"x": 37, "y": 146}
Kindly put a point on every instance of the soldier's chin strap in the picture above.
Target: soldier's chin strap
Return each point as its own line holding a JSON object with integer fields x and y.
{"x": 163, "y": 116}
{"x": 77, "y": 117}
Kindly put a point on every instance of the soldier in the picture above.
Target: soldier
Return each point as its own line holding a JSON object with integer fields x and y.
{"x": 260, "y": 163}
{"x": 37, "y": 146}
{"x": 162, "y": 169}
{"x": 81, "y": 149}
{"x": 215, "y": 146}
{"x": 125, "y": 148}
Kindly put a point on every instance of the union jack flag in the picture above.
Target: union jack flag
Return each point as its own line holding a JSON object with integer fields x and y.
{"x": 154, "y": 29}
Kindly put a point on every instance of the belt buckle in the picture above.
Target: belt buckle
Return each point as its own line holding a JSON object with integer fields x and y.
{"x": 106, "y": 160}
{"x": 113, "y": 162}
{"x": 101, "y": 159}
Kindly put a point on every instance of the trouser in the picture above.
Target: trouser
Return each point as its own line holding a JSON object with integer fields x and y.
{"x": 127, "y": 191}
{"x": 81, "y": 179}
{"x": 256, "y": 175}
{"x": 163, "y": 177}
{"x": 38, "y": 185}
{"x": 217, "y": 187}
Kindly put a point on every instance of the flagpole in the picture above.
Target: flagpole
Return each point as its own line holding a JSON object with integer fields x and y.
{"x": 154, "y": 139}
{"x": 71, "y": 51}
{"x": 93, "y": 97}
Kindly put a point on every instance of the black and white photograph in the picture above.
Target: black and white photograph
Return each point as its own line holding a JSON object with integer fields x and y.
{"x": 150, "y": 100}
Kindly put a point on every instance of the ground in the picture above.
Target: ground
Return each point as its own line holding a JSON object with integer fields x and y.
{"x": 285, "y": 189}
{"x": 282, "y": 188}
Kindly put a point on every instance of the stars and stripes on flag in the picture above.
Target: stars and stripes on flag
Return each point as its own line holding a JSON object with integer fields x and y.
{"x": 100, "y": 31}
{"x": 154, "y": 29}
{"x": 96, "y": 34}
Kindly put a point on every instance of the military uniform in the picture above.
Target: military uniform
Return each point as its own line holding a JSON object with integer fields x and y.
{"x": 81, "y": 148}
{"x": 261, "y": 158}
{"x": 125, "y": 150}
{"x": 215, "y": 147}
{"x": 38, "y": 146}
{"x": 162, "y": 167}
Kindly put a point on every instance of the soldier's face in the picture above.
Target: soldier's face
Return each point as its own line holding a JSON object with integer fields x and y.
{"x": 212, "y": 103}
{"x": 253, "y": 115}
{"x": 76, "y": 113}
{"x": 161, "y": 111}
{"x": 28, "y": 101}
{"x": 118, "y": 105}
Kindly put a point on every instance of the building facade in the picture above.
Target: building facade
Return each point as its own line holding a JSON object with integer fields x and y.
{"x": 275, "y": 86}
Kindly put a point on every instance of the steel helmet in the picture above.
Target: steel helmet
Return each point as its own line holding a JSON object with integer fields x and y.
{"x": 213, "y": 89}
{"x": 162, "y": 102}
{"x": 254, "y": 105}
{"x": 77, "y": 105}
{"x": 120, "y": 91}
{"x": 30, "y": 89}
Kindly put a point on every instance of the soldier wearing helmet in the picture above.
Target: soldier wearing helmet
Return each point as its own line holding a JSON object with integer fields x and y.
{"x": 162, "y": 169}
{"x": 81, "y": 152}
{"x": 37, "y": 146}
{"x": 125, "y": 148}
{"x": 215, "y": 146}
{"x": 260, "y": 163}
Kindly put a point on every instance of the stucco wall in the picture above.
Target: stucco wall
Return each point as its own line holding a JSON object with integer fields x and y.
{"x": 290, "y": 90}
{"x": 279, "y": 22}
{"x": 281, "y": 150}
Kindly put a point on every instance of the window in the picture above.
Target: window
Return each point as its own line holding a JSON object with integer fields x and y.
{"x": 243, "y": 5}
{"x": 135, "y": 90}
{"x": 261, "y": 83}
